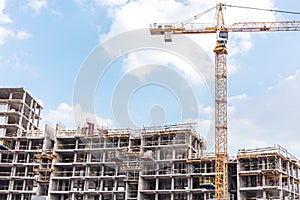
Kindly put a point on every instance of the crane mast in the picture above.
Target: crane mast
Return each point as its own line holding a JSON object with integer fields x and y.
{"x": 221, "y": 126}
{"x": 221, "y": 143}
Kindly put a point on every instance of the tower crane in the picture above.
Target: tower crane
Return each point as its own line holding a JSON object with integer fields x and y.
{"x": 220, "y": 50}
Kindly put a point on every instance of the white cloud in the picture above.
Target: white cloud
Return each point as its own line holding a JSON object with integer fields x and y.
{"x": 3, "y": 17}
{"x": 19, "y": 62}
{"x": 111, "y": 2}
{"x": 56, "y": 12}
{"x": 16, "y": 63}
{"x": 36, "y": 6}
{"x": 146, "y": 57}
{"x": 270, "y": 118}
{"x": 206, "y": 110}
{"x": 233, "y": 100}
{"x": 20, "y": 35}
{"x": 6, "y": 33}
{"x": 86, "y": 5}
{"x": 290, "y": 77}
{"x": 239, "y": 42}
{"x": 10, "y": 34}
{"x": 2, "y": 5}
{"x": 141, "y": 13}
{"x": 238, "y": 98}
{"x": 232, "y": 68}
{"x": 64, "y": 114}
{"x": 133, "y": 61}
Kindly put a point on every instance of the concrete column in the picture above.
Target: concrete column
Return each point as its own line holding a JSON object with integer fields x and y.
{"x": 105, "y": 144}
{"x": 289, "y": 174}
{"x": 38, "y": 120}
{"x": 11, "y": 184}
{"x": 158, "y": 138}
{"x": 263, "y": 162}
{"x": 86, "y": 185}
{"x": 191, "y": 196}
{"x": 17, "y": 145}
{"x": 102, "y": 171}
{"x": 158, "y": 153}
{"x": 9, "y": 197}
{"x": 264, "y": 178}
{"x": 31, "y": 113}
{"x": 15, "y": 158}
{"x": 10, "y": 95}
{"x": 26, "y": 171}
{"x": 238, "y": 181}
{"x": 33, "y": 107}
{"x": 297, "y": 176}
{"x": 101, "y": 185}
{"x": 280, "y": 178}
{"x": 39, "y": 111}
{"x": 280, "y": 164}
{"x": 173, "y": 153}
{"x": 156, "y": 183}
{"x": 20, "y": 119}
{"x": 126, "y": 190}
{"x": 74, "y": 171}
{"x": 190, "y": 149}
{"x": 88, "y": 157}
{"x": 29, "y": 145}
{"x": 140, "y": 186}
{"x": 156, "y": 196}
{"x": 264, "y": 194}
{"x": 75, "y": 157}
{"x": 22, "y": 109}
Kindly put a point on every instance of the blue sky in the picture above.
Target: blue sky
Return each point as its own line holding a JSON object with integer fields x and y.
{"x": 43, "y": 45}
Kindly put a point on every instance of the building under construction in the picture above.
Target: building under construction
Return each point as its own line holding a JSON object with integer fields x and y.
{"x": 152, "y": 163}
{"x": 19, "y": 112}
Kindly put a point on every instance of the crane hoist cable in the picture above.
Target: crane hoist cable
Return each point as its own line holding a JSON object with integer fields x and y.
{"x": 263, "y": 9}
{"x": 195, "y": 17}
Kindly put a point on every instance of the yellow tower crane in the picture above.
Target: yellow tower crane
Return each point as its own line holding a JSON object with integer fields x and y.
{"x": 186, "y": 27}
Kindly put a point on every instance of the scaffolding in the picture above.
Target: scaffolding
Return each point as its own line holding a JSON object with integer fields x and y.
{"x": 152, "y": 163}
{"x": 18, "y": 165}
{"x": 114, "y": 163}
{"x": 162, "y": 162}
{"x": 268, "y": 173}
